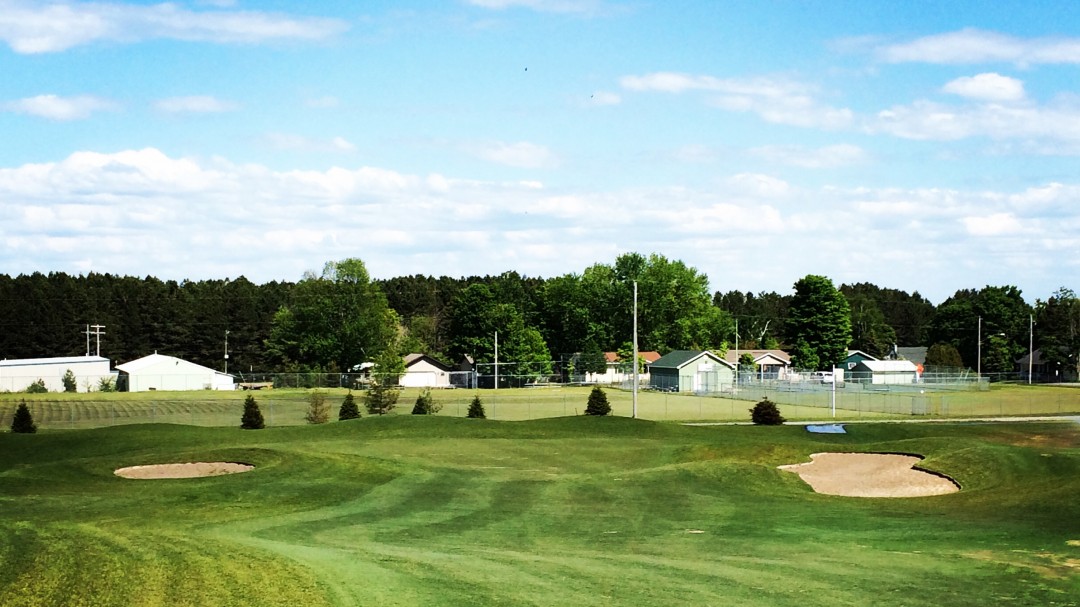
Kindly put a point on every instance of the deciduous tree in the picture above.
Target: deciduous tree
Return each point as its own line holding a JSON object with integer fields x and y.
{"x": 818, "y": 326}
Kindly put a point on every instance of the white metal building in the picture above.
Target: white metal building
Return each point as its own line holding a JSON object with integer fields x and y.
{"x": 17, "y": 374}
{"x": 885, "y": 372}
{"x": 161, "y": 372}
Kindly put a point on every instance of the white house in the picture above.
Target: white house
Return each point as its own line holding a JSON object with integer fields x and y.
{"x": 771, "y": 364}
{"x": 619, "y": 371}
{"x": 884, "y": 372}
{"x": 161, "y": 372}
{"x": 423, "y": 371}
{"x": 17, "y": 374}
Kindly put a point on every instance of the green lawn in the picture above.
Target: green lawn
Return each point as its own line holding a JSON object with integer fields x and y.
{"x": 417, "y": 510}
{"x": 285, "y": 407}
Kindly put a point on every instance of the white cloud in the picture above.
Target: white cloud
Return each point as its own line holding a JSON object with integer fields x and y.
{"x": 544, "y": 6}
{"x": 992, "y": 225}
{"x": 195, "y": 104}
{"x": 926, "y": 120}
{"x": 324, "y": 102}
{"x": 758, "y": 186}
{"x": 142, "y": 212}
{"x": 988, "y": 87}
{"x": 827, "y": 157}
{"x": 521, "y": 154}
{"x": 604, "y": 98}
{"x": 31, "y": 27}
{"x": 54, "y": 107}
{"x": 774, "y": 100}
{"x": 979, "y": 46}
{"x": 300, "y": 143}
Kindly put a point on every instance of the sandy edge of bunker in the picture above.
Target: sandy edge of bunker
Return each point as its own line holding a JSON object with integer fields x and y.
{"x": 183, "y": 470}
{"x": 871, "y": 475}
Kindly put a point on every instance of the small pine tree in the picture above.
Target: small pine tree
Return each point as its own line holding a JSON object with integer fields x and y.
{"x": 766, "y": 413}
{"x": 37, "y": 387}
{"x": 318, "y": 411}
{"x": 252, "y": 418}
{"x": 476, "y": 409}
{"x": 598, "y": 403}
{"x": 105, "y": 384}
{"x": 425, "y": 405}
{"x": 380, "y": 398}
{"x": 348, "y": 410}
{"x": 70, "y": 385}
{"x": 23, "y": 422}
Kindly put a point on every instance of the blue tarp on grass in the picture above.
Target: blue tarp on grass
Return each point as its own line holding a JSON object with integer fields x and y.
{"x": 827, "y": 429}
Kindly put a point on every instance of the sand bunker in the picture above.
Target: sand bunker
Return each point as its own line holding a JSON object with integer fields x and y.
{"x": 191, "y": 470}
{"x": 870, "y": 475}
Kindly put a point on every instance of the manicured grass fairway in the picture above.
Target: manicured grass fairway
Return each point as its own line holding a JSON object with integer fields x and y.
{"x": 286, "y": 407}
{"x": 418, "y": 510}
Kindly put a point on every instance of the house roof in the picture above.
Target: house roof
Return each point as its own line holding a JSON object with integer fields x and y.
{"x": 1036, "y": 358}
{"x": 61, "y": 360}
{"x": 888, "y": 366}
{"x": 415, "y": 357}
{"x": 779, "y": 355}
{"x": 680, "y": 358}
{"x": 150, "y": 360}
{"x": 865, "y": 356}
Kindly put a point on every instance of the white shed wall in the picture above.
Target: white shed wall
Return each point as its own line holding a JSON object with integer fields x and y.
{"x": 17, "y": 375}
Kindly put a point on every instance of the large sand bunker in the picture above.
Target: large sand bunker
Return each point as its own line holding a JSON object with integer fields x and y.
{"x": 870, "y": 475}
{"x": 190, "y": 470}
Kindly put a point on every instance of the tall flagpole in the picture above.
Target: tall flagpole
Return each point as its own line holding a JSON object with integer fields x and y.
{"x": 635, "y": 388}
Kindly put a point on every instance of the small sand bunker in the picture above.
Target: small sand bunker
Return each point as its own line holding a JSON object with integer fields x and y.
{"x": 870, "y": 475}
{"x": 190, "y": 470}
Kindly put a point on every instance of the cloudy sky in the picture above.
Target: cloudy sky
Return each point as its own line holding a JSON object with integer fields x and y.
{"x": 918, "y": 145}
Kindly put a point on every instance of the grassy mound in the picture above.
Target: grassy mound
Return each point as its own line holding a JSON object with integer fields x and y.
{"x": 433, "y": 510}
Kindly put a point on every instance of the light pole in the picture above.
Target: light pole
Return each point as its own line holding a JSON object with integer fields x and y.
{"x": 1031, "y": 345}
{"x": 227, "y": 353}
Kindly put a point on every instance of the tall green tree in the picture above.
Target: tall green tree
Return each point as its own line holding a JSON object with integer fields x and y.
{"x": 818, "y": 326}
{"x": 869, "y": 330}
{"x": 675, "y": 310}
{"x": 1057, "y": 333}
{"x": 1004, "y": 326}
{"x": 477, "y": 315}
{"x": 333, "y": 321}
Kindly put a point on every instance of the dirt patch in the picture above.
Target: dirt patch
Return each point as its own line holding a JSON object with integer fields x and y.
{"x": 870, "y": 475}
{"x": 188, "y": 470}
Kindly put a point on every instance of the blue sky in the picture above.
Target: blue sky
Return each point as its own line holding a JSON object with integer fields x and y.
{"x": 925, "y": 146}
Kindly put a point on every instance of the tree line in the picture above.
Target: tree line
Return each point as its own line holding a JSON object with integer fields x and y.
{"x": 330, "y": 321}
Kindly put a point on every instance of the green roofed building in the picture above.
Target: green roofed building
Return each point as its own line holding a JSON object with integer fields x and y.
{"x": 691, "y": 371}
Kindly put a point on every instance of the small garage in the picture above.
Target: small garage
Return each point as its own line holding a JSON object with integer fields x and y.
{"x": 698, "y": 371}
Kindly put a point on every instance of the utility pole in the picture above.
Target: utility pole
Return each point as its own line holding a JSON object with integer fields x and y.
{"x": 635, "y": 362}
{"x": 496, "y": 360}
{"x": 978, "y": 355}
{"x": 227, "y": 352}
{"x": 97, "y": 333}
{"x": 1031, "y": 345}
